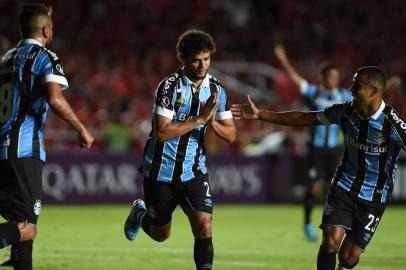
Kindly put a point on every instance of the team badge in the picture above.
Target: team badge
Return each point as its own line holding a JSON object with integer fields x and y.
{"x": 181, "y": 102}
{"x": 380, "y": 137}
{"x": 37, "y": 207}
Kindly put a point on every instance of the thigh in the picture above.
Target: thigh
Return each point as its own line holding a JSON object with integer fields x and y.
{"x": 338, "y": 209}
{"x": 160, "y": 201}
{"x": 23, "y": 188}
{"x": 316, "y": 165}
{"x": 195, "y": 195}
{"x": 366, "y": 220}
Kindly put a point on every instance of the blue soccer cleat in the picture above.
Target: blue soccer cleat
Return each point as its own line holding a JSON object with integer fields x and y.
{"x": 131, "y": 226}
{"x": 310, "y": 232}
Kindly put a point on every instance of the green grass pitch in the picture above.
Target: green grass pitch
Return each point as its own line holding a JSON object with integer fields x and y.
{"x": 245, "y": 237}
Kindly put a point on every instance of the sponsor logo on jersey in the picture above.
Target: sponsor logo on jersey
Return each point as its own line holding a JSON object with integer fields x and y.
{"x": 164, "y": 101}
{"x": 398, "y": 120}
{"x": 367, "y": 147}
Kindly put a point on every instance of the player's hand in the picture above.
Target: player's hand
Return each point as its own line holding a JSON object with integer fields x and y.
{"x": 245, "y": 111}
{"x": 280, "y": 52}
{"x": 209, "y": 109}
{"x": 85, "y": 139}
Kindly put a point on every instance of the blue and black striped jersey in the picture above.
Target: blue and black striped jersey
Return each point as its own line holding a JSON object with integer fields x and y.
{"x": 184, "y": 157}
{"x": 318, "y": 99}
{"x": 372, "y": 146}
{"x": 23, "y": 72}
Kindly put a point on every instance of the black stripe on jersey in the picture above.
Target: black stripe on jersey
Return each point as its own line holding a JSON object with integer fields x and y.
{"x": 344, "y": 159}
{"x": 397, "y": 122}
{"x": 184, "y": 141}
{"x": 25, "y": 99}
{"x": 164, "y": 98}
{"x": 361, "y": 156}
{"x": 383, "y": 157}
{"x": 37, "y": 126}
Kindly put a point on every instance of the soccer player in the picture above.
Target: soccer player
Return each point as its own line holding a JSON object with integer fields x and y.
{"x": 31, "y": 80}
{"x": 325, "y": 146}
{"x": 174, "y": 164}
{"x": 361, "y": 187}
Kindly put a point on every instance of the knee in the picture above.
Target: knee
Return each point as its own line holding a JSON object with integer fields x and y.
{"x": 203, "y": 229}
{"x": 348, "y": 260}
{"x": 161, "y": 235}
{"x": 332, "y": 244}
{"x": 27, "y": 231}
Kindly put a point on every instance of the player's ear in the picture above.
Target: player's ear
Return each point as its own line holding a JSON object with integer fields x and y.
{"x": 375, "y": 91}
{"x": 45, "y": 31}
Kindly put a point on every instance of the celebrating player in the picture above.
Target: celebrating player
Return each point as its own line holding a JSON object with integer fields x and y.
{"x": 174, "y": 164}
{"x": 361, "y": 187}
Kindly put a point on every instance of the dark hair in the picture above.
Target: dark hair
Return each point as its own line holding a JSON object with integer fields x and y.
{"x": 325, "y": 67}
{"x": 375, "y": 75}
{"x": 194, "y": 41}
{"x": 27, "y": 15}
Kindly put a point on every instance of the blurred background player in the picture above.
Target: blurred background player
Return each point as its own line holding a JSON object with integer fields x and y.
{"x": 174, "y": 164}
{"x": 325, "y": 145}
{"x": 363, "y": 183}
{"x": 31, "y": 80}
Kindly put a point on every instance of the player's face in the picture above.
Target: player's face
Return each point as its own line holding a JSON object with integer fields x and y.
{"x": 331, "y": 79}
{"x": 197, "y": 66}
{"x": 361, "y": 91}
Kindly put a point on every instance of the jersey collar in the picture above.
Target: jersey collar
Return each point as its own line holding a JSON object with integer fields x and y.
{"x": 379, "y": 111}
{"x": 205, "y": 82}
{"x": 30, "y": 41}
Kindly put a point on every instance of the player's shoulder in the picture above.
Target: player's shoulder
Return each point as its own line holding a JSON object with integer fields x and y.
{"x": 215, "y": 81}
{"x": 171, "y": 79}
{"x": 394, "y": 117}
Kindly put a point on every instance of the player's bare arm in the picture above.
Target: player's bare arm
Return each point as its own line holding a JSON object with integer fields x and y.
{"x": 166, "y": 130}
{"x": 280, "y": 53}
{"x": 61, "y": 107}
{"x": 292, "y": 118}
{"x": 224, "y": 129}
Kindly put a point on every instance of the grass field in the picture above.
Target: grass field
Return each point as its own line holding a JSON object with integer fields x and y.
{"x": 245, "y": 237}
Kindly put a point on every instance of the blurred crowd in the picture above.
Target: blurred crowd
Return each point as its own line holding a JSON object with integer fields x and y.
{"x": 116, "y": 52}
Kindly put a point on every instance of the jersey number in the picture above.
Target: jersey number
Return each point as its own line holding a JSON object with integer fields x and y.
{"x": 6, "y": 101}
{"x": 373, "y": 223}
{"x": 208, "y": 189}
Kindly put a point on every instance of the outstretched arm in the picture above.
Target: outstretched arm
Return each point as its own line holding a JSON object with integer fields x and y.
{"x": 59, "y": 104}
{"x": 280, "y": 53}
{"x": 292, "y": 118}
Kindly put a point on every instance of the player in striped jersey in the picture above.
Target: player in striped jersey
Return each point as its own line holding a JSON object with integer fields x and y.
{"x": 174, "y": 165}
{"x": 325, "y": 145}
{"x": 31, "y": 80}
{"x": 361, "y": 187}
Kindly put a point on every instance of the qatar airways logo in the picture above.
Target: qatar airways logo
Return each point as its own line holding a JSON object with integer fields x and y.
{"x": 398, "y": 120}
{"x": 367, "y": 147}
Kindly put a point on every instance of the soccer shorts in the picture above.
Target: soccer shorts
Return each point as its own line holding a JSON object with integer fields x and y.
{"x": 161, "y": 198}
{"x": 359, "y": 217}
{"x": 21, "y": 189}
{"x": 322, "y": 163}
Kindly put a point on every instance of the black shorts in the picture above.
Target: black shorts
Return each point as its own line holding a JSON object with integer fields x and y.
{"x": 21, "y": 189}
{"x": 322, "y": 163}
{"x": 161, "y": 198}
{"x": 359, "y": 217}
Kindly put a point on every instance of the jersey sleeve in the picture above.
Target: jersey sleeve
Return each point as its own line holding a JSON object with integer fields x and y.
{"x": 332, "y": 114}
{"x": 52, "y": 69}
{"x": 398, "y": 132}
{"x": 308, "y": 90}
{"x": 223, "y": 109}
{"x": 164, "y": 97}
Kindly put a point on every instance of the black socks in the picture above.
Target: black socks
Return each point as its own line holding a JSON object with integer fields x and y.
{"x": 21, "y": 255}
{"x": 9, "y": 234}
{"x": 326, "y": 260}
{"x": 203, "y": 254}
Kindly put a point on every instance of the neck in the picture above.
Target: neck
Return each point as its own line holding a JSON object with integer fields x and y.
{"x": 373, "y": 107}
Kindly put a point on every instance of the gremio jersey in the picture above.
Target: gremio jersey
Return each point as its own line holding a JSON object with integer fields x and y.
{"x": 372, "y": 146}
{"x": 23, "y": 72}
{"x": 184, "y": 157}
{"x": 319, "y": 99}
